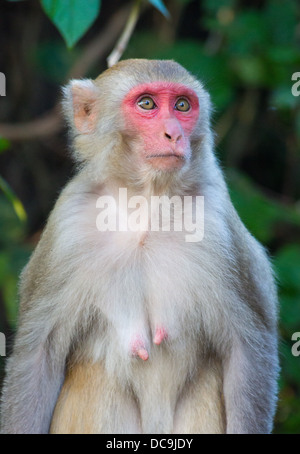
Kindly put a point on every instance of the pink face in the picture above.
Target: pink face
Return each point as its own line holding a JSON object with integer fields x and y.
{"x": 161, "y": 117}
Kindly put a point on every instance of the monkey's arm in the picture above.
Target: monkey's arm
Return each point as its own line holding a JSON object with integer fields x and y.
{"x": 250, "y": 389}
{"x": 35, "y": 371}
{"x": 251, "y": 366}
{"x": 34, "y": 375}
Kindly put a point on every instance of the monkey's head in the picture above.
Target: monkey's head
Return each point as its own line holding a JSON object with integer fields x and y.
{"x": 150, "y": 115}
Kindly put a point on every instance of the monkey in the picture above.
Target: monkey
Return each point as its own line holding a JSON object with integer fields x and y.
{"x": 139, "y": 330}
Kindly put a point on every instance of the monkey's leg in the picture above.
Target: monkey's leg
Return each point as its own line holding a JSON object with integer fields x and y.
{"x": 200, "y": 408}
{"x": 93, "y": 402}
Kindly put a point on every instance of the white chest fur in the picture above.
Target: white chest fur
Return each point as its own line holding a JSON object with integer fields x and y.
{"x": 138, "y": 281}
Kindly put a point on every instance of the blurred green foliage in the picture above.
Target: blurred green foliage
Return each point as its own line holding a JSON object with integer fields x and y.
{"x": 265, "y": 218}
{"x": 13, "y": 255}
{"x": 245, "y": 53}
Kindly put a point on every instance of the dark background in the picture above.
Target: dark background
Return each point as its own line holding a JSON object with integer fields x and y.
{"x": 244, "y": 51}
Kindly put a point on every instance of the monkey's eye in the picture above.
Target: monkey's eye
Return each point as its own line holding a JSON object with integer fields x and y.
{"x": 182, "y": 104}
{"x": 146, "y": 103}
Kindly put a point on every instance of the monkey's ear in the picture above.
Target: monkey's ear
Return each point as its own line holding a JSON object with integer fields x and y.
{"x": 80, "y": 105}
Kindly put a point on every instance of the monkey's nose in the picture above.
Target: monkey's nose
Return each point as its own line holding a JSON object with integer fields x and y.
{"x": 173, "y": 138}
{"x": 172, "y": 131}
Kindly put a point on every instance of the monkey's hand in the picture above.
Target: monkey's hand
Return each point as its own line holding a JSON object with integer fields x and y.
{"x": 160, "y": 335}
{"x": 138, "y": 348}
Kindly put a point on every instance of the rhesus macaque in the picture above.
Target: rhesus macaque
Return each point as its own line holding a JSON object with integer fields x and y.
{"x": 141, "y": 331}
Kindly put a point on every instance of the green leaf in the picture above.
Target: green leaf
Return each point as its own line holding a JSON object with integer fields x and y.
{"x": 4, "y": 144}
{"x": 161, "y": 7}
{"x": 72, "y": 17}
{"x": 16, "y": 203}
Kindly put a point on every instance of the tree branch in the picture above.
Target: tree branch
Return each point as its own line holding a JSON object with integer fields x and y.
{"x": 121, "y": 45}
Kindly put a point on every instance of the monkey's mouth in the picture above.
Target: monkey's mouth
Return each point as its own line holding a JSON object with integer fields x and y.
{"x": 166, "y": 161}
{"x": 167, "y": 155}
